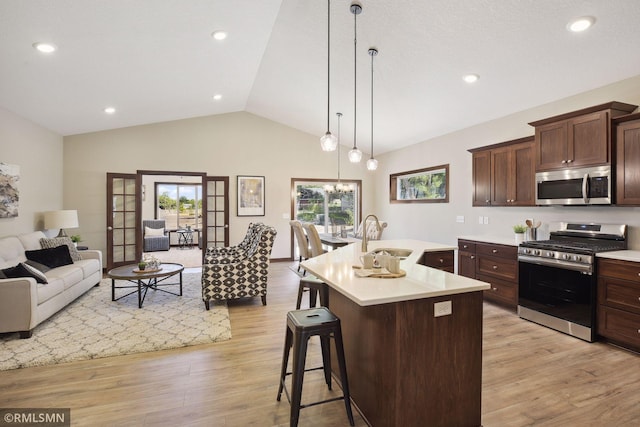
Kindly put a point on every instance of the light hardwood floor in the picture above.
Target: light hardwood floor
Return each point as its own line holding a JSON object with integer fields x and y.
{"x": 531, "y": 376}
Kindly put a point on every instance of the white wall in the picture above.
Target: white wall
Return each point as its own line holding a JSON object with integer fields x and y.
{"x": 223, "y": 145}
{"x": 38, "y": 153}
{"x": 437, "y": 222}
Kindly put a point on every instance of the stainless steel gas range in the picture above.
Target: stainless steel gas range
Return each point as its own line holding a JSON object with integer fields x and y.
{"x": 557, "y": 277}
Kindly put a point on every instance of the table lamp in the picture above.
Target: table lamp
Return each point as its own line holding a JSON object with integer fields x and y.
{"x": 61, "y": 219}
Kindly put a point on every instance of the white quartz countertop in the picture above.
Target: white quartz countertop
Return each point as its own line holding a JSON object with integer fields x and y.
{"x": 336, "y": 269}
{"x": 621, "y": 255}
{"x": 491, "y": 239}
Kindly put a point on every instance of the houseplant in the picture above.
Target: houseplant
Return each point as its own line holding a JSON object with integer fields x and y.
{"x": 76, "y": 238}
{"x": 519, "y": 231}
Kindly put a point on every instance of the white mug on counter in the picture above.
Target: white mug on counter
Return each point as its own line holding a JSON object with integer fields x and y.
{"x": 367, "y": 261}
{"x": 394, "y": 265}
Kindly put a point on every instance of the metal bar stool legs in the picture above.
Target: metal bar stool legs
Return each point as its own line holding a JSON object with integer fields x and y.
{"x": 302, "y": 325}
{"x": 316, "y": 288}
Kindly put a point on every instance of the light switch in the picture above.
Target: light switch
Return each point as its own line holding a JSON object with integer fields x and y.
{"x": 460, "y": 218}
{"x": 485, "y": 220}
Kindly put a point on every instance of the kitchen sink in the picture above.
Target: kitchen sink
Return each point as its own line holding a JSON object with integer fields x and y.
{"x": 396, "y": 252}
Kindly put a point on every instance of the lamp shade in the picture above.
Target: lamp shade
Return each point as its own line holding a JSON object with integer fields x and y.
{"x": 61, "y": 219}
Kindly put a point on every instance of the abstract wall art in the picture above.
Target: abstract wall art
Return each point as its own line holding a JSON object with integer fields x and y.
{"x": 9, "y": 177}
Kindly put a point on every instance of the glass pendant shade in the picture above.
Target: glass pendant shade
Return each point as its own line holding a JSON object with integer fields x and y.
{"x": 372, "y": 164}
{"x": 355, "y": 155}
{"x": 328, "y": 142}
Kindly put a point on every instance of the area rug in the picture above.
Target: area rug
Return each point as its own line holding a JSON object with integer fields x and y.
{"x": 93, "y": 326}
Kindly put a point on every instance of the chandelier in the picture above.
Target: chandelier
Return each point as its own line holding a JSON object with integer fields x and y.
{"x": 339, "y": 188}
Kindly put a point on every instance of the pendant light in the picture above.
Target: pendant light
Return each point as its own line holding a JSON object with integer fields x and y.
{"x": 372, "y": 164}
{"x": 355, "y": 155}
{"x": 328, "y": 141}
{"x": 339, "y": 188}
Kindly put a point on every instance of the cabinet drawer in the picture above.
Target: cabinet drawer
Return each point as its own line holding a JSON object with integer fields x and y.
{"x": 466, "y": 246}
{"x": 626, "y": 270}
{"x": 503, "y": 251}
{"x": 500, "y": 291}
{"x": 622, "y": 294}
{"x": 500, "y": 268}
{"x": 439, "y": 259}
{"x": 620, "y": 326}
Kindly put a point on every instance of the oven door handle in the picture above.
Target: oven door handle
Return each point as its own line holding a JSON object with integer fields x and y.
{"x": 558, "y": 263}
{"x": 585, "y": 188}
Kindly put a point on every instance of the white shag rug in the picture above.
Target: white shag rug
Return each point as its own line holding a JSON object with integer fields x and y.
{"x": 93, "y": 326}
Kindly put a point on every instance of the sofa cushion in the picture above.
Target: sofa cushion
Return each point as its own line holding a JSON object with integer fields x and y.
{"x": 23, "y": 270}
{"x": 59, "y": 241}
{"x": 69, "y": 274}
{"x": 53, "y": 257}
{"x": 148, "y": 231}
{"x": 11, "y": 252}
{"x": 46, "y": 292}
{"x": 31, "y": 241}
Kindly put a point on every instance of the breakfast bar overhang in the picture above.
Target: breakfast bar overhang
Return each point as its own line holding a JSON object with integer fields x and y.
{"x": 413, "y": 344}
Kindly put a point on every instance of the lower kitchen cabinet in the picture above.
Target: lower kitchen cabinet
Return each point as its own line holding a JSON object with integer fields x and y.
{"x": 493, "y": 263}
{"x": 619, "y": 302}
{"x": 442, "y": 260}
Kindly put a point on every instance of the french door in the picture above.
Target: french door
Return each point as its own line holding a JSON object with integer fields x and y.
{"x": 124, "y": 216}
{"x": 122, "y": 219}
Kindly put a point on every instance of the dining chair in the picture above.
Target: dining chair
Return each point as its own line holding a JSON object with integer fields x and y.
{"x": 302, "y": 241}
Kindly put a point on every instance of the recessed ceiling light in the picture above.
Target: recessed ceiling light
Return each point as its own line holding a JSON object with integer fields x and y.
{"x": 45, "y": 47}
{"x": 217, "y": 97}
{"x": 470, "y": 78}
{"x": 219, "y": 35}
{"x": 109, "y": 110}
{"x": 581, "y": 24}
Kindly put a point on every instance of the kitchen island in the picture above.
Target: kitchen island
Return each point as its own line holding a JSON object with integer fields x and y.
{"x": 413, "y": 344}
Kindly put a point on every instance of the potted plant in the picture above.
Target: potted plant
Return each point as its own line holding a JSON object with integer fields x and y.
{"x": 76, "y": 239}
{"x": 519, "y": 230}
{"x": 142, "y": 265}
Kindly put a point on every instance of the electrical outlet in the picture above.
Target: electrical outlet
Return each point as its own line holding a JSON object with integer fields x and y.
{"x": 485, "y": 220}
{"x": 442, "y": 308}
{"x": 480, "y": 220}
{"x": 460, "y": 218}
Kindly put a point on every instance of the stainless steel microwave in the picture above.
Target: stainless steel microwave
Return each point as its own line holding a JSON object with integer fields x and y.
{"x": 580, "y": 186}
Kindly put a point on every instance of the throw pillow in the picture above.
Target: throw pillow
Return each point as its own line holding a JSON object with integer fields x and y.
{"x": 43, "y": 268}
{"x": 153, "y": 231}
{"x": 59, "y": 241}
{"x": 52, "y": 258}
{"x": 24, "y": 270}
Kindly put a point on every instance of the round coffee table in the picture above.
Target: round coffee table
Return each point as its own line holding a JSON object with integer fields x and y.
{"x": 145, "y": 279}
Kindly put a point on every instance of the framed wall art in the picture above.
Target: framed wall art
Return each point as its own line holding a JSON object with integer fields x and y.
{"x": 9, "y": 177}
{"x": 428, "y": 185}
{"x": 250, "y": 195}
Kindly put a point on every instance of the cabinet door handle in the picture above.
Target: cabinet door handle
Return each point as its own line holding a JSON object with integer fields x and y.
{"x": 465, "y": 247}
{"x": 563, "y": 162}
{"x": 473, "y": 257}
{"x": 486, "y": 201}
{"x": 495, "y": 267}
{"x": 495, "y": 251}
{"x": 495, "y": 289}
{"x": 569, "y": 161}
{"x": 441, "y": 260}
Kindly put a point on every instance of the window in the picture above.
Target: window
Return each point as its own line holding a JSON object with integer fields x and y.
{"x": 180, "y": 205}
{"x": 333, "y": 207}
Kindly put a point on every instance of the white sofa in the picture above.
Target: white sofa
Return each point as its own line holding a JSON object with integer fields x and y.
{"x": 24, "y": 304}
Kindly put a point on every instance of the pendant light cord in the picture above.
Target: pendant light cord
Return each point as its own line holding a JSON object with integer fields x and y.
{"x": 372, "y": 55}
{"x": 355, "y": 77}
{"x": 328, "y": 60}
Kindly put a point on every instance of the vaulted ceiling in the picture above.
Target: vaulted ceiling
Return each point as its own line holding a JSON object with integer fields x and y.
{"x": 155, "y": 60}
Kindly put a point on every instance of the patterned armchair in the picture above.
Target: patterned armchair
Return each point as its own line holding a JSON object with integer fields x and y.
{"x": 239, "y": 274}
{"x": 241, "y": 248}
{"x": 156, "y": 237}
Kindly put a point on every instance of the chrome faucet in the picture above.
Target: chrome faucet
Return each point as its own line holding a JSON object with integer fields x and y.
{"x": 364, "y": 231}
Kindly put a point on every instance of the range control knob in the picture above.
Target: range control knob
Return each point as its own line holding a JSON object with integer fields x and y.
{"x": 577, "y": 258}
{"x": 537, "y": 252}
{"x": 550, "y": 254}
{"x": 566, "y": 256}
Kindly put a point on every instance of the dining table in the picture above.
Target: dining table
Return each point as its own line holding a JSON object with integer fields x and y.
{"x": 335, "y": 242}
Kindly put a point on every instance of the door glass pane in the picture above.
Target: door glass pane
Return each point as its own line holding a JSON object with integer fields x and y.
{"x": 118, "y": 237}
{"x": 118, "y": 186}
{"x": 118, "y": 253}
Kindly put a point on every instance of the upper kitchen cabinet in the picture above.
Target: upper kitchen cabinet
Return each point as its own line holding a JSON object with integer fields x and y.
{"x": 628, "y": 160}
{"x": 577, "y": 139}
{"x": 503, "y": 174}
